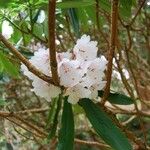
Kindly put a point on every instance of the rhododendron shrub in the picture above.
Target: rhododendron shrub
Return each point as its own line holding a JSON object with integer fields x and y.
{"x": 80, "y": 71}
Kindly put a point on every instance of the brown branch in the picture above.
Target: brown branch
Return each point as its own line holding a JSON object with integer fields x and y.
{"x": 26, "y": 125}
{"x": 16, "y": 122}
{"x": 24, "y": 31}
{"x": 100, "y": 145}
{"x": 25, "y": 61}
{"x": 114, "y": 18}
{"x": 142, "y": 113}
{"x": 36, "y": 110}
{"x": 51, "y": 42}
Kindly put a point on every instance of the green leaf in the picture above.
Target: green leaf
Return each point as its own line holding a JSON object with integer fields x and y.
{"x": 75, "y": 4}
{"x": 7, "y": 66}
{"x": 52, "y": 111}
{"x": 74, "y": 20}
{"x": 125, "y": 8}
{"x": 83, "y": 19}
{"x": 55, "y": 119}
{"x": 4, "y": 3}
{"x": 105, "y": 5}
{"x": 104, "y": 126}
{"x": 117, "y": 98}
{"x": 66, "y": 136}
{"x": 91, "y": 13}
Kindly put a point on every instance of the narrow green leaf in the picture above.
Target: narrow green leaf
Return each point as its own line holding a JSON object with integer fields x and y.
{"x": 74, "y": 20}
{"x": 8, "y": 67}
{"x": 55, "y": 119}
{"x": 51, "y": 113}
{"x": 66, "y": 136}
{"x": 104, "y": 126}
{"x": 75, "y": 4}
{"x": 117, "y": 98}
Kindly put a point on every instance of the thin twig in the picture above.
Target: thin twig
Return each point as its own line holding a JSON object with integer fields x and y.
{"x": 136, "y": 14}
{"x": 24, "y": 31}
{"x": 83, "y": 142}
{"x": 36, "y": 110}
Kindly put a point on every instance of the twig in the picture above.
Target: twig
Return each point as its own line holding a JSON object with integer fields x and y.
{"x": 36, "y": 110}
{"x": 25, "y": 32}
{"x": 25, "y": 61}
{"x": 51, "y": 42}
{"x": 136, "y": 14}
{"x": 23, "y": 126}
{"x": 83, "y": 142}
{"x": 114, "y": 18}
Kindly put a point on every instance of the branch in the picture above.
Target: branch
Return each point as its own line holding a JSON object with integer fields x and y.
{"x": 27, "y": 111}
{"x": 25, "y": 61}
{"x": 51, "y": 42}
{"x": 25, "y": 32}
{"x": 114, "y": 18}
{"x": 100, "y": 145}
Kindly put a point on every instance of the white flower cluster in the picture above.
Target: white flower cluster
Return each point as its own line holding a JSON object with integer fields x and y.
{"x": 7, "y": 30}
{"x": 80, "y": 71}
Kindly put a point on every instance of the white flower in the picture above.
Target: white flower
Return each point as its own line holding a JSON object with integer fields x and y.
{"x": 70, "y": 73}
{"x": 95, "y": 71}
{"x": 45, "y": 90}
{"x": 41, "y": 61}
{"x": 95, "y": 87}
{"x": 61, "y": 56}
{"x": 80, "y": 72}
{"x": 77, "y": 92}
{"x": 41, "y": 88}
{"x": 7, "y": 30}
{"x": 41, "y": 17}
{"x": 85, "y": 49}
